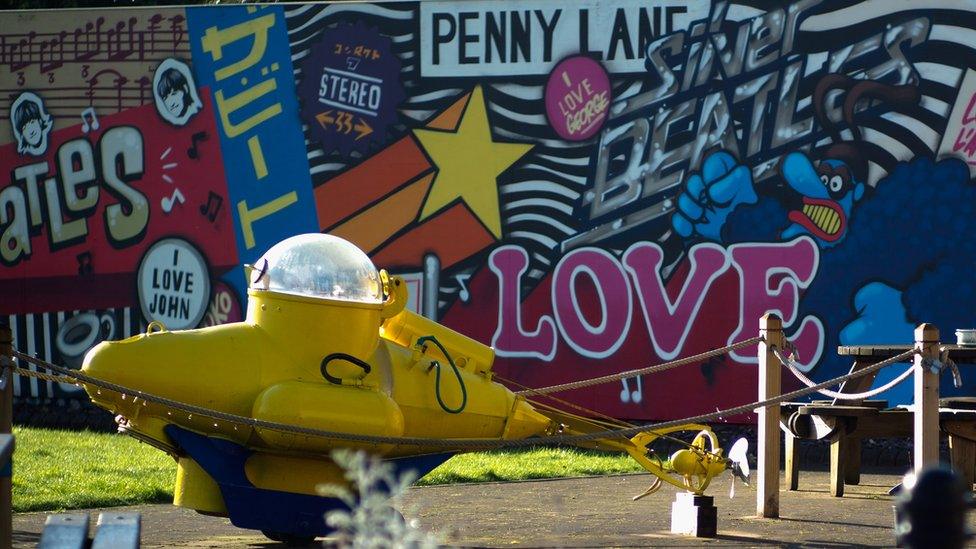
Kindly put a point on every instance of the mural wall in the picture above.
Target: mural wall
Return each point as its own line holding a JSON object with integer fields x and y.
{"x": 589, "y": 189}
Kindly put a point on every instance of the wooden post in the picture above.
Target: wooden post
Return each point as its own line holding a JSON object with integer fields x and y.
{"x": 792, "y": 446}
{"x": 838, "y": 461}
{"x": 926, "y": 420}
{"x": 767, "y": 470}
{"x": 6, "y": 427}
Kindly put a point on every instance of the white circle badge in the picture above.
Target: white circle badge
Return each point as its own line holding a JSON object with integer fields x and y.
{"x": 174, "y": 284}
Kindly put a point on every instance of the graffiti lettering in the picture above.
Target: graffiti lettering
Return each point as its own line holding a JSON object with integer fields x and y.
{"x": 667, "y": 322}
{"x": 15, "y": 240}
{"x": 350, "y": 91}
{"x": 580, "y": 120}
{"x": 170, "y": 306}
{"x": 686, "y": 59}
{"x": 786, "y": 129}
{"x": 171, "y": 280}
{"x": 220, "y": 308}
{"x": 215, "y": 40}
{"x": 612, "y": 291}
{"x": 228, "y": 106}
{"x": 893, "y": 42}
{"x": 650, "y": 167}
{"x": 478, "y": 39}
{"x": 509, "y": 263}
{"x": 494, "y": 30}
{"x": 174, "y": 284}
{"x": 959, "y": 139}
{"x": 71, "y": 195}
{"x": 966, "y": 137}
{"x": 691, "y": 111}
{"x": 770, "y": 278}
{"x": 127, "y": 219}
{"x": 249, "y": 215}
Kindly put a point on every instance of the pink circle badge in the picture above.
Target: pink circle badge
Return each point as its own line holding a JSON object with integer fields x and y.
{"x": 577, "y": 98}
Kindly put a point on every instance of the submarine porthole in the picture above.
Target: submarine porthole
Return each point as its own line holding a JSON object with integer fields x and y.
{"x": 319, "y": 266}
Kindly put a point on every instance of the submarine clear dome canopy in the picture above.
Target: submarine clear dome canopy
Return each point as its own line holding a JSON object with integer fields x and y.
{"x": 318, "y": 265}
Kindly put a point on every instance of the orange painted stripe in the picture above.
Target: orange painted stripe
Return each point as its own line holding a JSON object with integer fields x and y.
{"x": 393, "y": 167}
{"x": 376, "y": 225}
{"x": 454, "y": 235}
{"x": 450, "y": 117}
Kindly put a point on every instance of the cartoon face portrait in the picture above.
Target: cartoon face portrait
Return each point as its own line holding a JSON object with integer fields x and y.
{"x": 30, "y": 123}
{"x": 175, "y": 92}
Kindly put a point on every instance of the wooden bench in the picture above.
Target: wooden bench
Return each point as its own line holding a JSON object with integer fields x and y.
{"x": 70, "y": 531}
{"x": 957, "y": 417}
{"x": 844, "y": 426}
{"x": 846, "y": 422}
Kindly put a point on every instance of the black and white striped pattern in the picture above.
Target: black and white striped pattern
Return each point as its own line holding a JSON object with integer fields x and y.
{"x": 541, "y": 197}
{"x": 36, "y": 335}
{"x": 538, "y": 197}
{"x": 940, "y": 61}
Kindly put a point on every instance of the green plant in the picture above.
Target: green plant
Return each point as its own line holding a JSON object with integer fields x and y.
{"x": 372, "y": 520}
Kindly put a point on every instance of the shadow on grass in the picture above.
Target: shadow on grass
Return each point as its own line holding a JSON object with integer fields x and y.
{"x": 87, "y": 501}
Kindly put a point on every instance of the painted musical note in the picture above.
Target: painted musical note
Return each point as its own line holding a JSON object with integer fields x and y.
{"x": 129, "y": 39}
{"x": 176, "y": 29}
{"x": 55, "y": 52}
{"x": 193, "y": 152}
{"x": 168, "y": 201}
{"x": 635, "y": 396}
{"x": 84, "y": 263}
{"x": 144, "y": 90}
{"x": 86, "y": 115}
{"x": 464, "y": 294}
{"x": 118, "y": 49}
{"x": 212, "y": 206}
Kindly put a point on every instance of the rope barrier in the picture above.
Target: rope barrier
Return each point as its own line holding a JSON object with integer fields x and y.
{"x": 791, "y": 365}
{"x": 458, "y": 444}
{"x": 943, "y": 362}
{"x": 936, "y": 365}
{"x": 641, "y": 371}
{"x": 604, "y": 420}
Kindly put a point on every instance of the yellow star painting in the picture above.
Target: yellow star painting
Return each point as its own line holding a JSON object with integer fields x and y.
{"x": 468, "y": 164}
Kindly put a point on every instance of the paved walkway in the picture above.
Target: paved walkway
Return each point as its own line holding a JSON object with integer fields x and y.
{"x": 586, "y": 512}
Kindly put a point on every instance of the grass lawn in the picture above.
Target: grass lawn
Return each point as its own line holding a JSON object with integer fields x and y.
{"x": 58, "y": 470}
{"x": 522, "y": 464}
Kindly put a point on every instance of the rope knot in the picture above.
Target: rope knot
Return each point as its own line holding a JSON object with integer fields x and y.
{"x": 943, "y": 362}
{"x": 791, "y": 351}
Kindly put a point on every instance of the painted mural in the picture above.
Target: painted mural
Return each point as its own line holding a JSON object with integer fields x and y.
{"x": 589, "y": 188}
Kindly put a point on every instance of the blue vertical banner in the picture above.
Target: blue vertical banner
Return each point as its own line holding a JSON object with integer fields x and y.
{"x": 241, "y": 55}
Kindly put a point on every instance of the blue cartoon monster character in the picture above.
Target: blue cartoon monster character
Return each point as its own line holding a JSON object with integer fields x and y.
{"x": 891, "y": 257}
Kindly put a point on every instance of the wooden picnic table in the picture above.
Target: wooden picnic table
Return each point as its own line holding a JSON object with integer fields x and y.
{"x": 851, "y": 420}
{"x": 877, "y": 353}
{"x": 866, "y": 355}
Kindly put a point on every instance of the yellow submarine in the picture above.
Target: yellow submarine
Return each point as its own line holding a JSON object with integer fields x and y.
{"x": 328, "y": 344}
